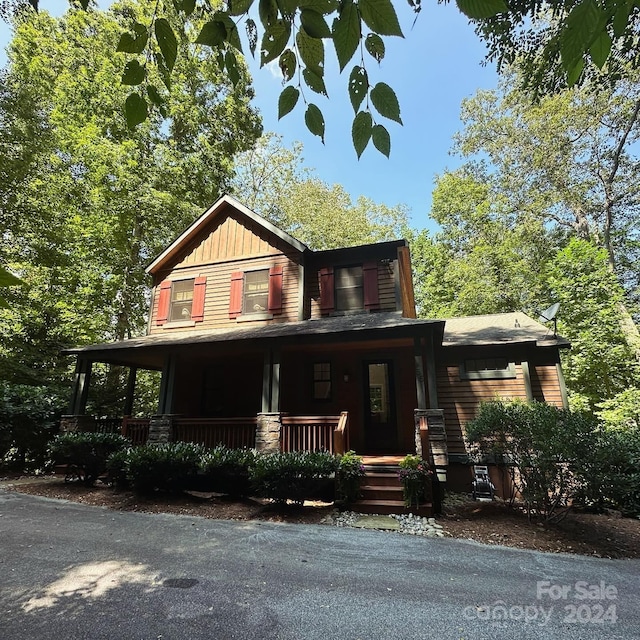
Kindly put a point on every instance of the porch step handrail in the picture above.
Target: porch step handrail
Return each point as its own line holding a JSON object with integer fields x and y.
{"x": 341, "y": 434}
{"x": 308, "y": 433}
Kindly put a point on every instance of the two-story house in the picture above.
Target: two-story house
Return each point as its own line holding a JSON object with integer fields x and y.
{"x": 263, "y": 342}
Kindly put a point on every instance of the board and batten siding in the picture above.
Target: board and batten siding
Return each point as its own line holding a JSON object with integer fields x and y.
{"x": 231, "y": 245}
{"x": 460, "y": 399}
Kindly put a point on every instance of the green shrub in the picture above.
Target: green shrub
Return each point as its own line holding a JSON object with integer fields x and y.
{"x": 167, "y": 467}
{"x": 349, "y": 476}
{"x": 227, "y": 470}
{"x": 610, "y": 476}
{"x": 85, "y": 454}
{"x": 117, "y": 468}
{"x": 296, "y": 476}
{"x": 542, "y": 446}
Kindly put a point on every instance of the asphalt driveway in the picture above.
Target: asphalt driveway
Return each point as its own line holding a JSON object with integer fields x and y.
{"x": 75, "y": 572}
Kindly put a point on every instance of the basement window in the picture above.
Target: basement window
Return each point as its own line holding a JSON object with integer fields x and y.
{"x": 487, "y": 369}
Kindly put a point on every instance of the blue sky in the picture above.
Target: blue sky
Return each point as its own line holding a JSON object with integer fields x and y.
{"x": 432, "y": 69}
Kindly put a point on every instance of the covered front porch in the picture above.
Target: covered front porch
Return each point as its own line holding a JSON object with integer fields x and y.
{"x": 366, "y": 384}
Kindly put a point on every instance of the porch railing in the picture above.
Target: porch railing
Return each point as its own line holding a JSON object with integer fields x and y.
{"x": 313, "y": 433}
{"x": 107, "y": 425}
{"x": 136, "y": 429}
{"x": 235, "y": 433}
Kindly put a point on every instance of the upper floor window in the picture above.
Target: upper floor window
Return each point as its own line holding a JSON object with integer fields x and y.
{"x": 256, "y": 291}
{"x": 349, "y": 288}
{"x": 181, "y": 300}
{"x": 256, "y": 294}
{"x": 487, "y": 369}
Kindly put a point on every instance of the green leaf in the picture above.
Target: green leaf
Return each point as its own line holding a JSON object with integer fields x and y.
{"x": 287, "y": 8}
{"x": 134, "y": 73}
{"x": 346, "y": 33}
{"x": 239, "y": 7}
{"x": 361, "y": 131}
{"x": 573, "y": 75}
{"x": 380, "y": 17}
{"x": 324, "y": 7}
{"x": 231, "y": 63}
{"x": 288, "y": 63}
{"x": 136, "y": 111}
{"x": 314, "y": 120}
{"x": 385, "y": 101}
{"x": 212, "y": 34}
{"x": 580, "y": 31}
{"x": 165, "y": 74}
{"x": 287, "y": 101}
{"x": 188, "y": 6}
{"x": 274, "y": 41}
{"x": 311, "y": 51}
{"x": 135, "y": 43}
{"x": 381, "y": 140}
{"x": 621, "y": 18}
{"x": 358, "y": 86}
{"x": 314, "y": 24}
{"x": 314, "y": 82}
{"x": 166, "y": 41}
{"x": 268, "y": 12}
{"x": 252, "y": 35}
{"x": 375, "y": 46}
{"x": 601, "y": 49}
{"x": 7, "y": 279}
{"x": 154, "y": 95}
{"x": 232, "y": 37}
{"x": 479, "y": 9}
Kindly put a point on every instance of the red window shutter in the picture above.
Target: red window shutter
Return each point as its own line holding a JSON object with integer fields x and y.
{"x": 327, "y": 290}
{"x": 275, "y": 290}
{"x": 197, "y": 307}
{"x": 164, "y": 302}
{"x": 235, "y": 299}
{"x": 370, "y": 278}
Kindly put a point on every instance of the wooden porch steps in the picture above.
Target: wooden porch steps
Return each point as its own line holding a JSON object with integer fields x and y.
{"x": 382, "y": 493}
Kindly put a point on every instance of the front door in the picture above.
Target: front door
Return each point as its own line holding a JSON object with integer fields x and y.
{"x": 381, "y": 429}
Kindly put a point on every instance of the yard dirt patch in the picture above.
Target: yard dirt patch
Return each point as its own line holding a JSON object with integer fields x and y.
{"x": 597, "y": 535}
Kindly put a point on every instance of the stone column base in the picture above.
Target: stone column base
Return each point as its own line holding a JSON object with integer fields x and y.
{"x": 268, "y": 432}
{"x": 77, "y": 423}
{"x": 161, "y": 429}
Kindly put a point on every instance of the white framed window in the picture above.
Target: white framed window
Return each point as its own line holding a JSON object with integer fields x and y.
{"x": 487, "y": 369}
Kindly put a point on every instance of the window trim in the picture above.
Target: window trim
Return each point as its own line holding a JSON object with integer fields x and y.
{"x": 165, "y": 301}
{"x": 315, "y": 380}
{"x": 509, "y": 372}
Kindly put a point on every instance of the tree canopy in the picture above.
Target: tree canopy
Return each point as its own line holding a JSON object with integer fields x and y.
{"x": 559, "y": 44}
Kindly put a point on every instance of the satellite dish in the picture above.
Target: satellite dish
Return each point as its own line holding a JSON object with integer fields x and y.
{"x": 550, "y": 314}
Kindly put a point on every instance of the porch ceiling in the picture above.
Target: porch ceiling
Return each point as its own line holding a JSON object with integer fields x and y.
{"x": 150, "y": 351}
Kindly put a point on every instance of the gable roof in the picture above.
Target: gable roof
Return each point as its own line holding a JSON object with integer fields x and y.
{"x": 499, "y": 328}
{"x": 216, "y": 208}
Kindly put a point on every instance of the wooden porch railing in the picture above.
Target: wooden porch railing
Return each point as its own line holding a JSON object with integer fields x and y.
{"x": 136, "y": 429}
{"x": 107, "y": 425}
{"x": 235, "y": 433}
{"x": 313, "y": 433}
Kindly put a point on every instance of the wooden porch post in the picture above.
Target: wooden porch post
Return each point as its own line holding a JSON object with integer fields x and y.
{"x": 165, "y": 402}
{"x": 526, "y": 375}
{"x": 131, "y": 387}
{"x": 82, "y": 379}
{"x": 421, "y": 391}
{"x": 432, "y": 381}
{"x": 271, "y": 381}
{"x": 563, "y": 386}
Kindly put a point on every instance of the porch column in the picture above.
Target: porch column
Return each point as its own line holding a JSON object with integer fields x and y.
{"x": 563, "y": 386}
{"x": 165, "y": 402}
{"x": 271, "y": 381}
{"x": 526, "y": 375}
{"x": 131, "y": 387}
{"x": 436, "y": 437}
{"x": 432, "y": 381}
{"x": 82, "y": 379}
{"x": 421, "y": 392}
{"x": 268, "y": 432}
